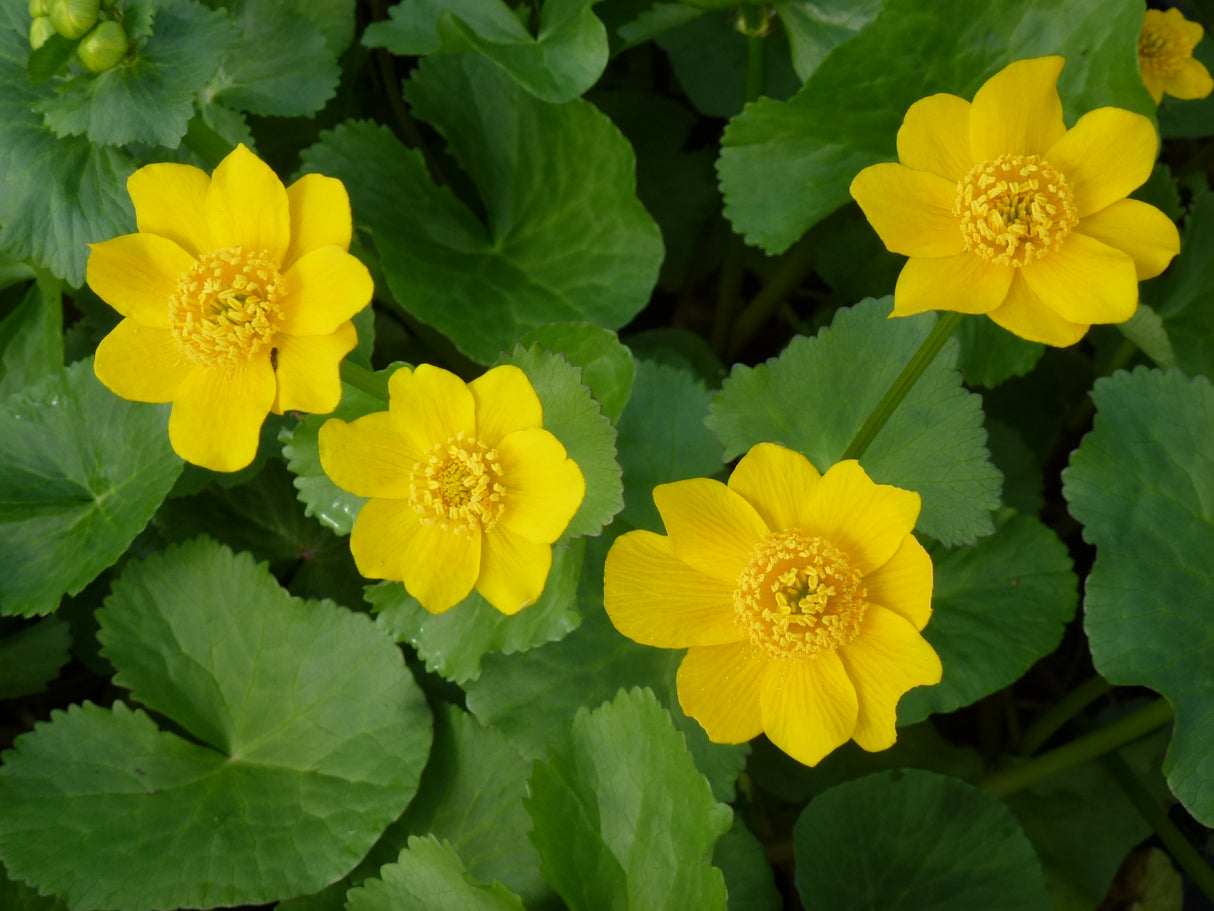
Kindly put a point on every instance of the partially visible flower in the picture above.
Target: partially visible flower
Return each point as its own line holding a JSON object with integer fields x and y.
{"x": 1004, "y": 211}
{"x": 237, "y": 295}
{"x": 798, "y": 596}
{"x": 467, "y": 490}
{"x": 1165, "y": 56}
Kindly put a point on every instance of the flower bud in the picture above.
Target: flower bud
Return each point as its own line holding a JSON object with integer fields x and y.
{"x": 103, "y": 47}
{"x": 39, "y": 8}
{"x": 41, "y": 29}
{"x": 72, "y": 18}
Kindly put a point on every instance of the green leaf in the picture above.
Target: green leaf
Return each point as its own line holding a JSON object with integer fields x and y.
{"x": 81, "y": 472}
{"x": 990, "y": 354}
{"x": 579, "y": 248}
{"x": 816, "y": 28}
{"x": 785, "y": 166}
{"x": 31, "y": 658}
{"x": 607, "y": 365}
{"x": 560, "y": 62}
{"x": 309, "y": 737}
{"x": 815, "y": 396}
{"x": 334, "y": 18}
{"x": 997, "y": 608}
{"x": 31, "y": 339}
{"x": 15, "y": 896}
{"x": 577, "y": 420}
{"x": 622, "y": 817}
{"x": 1182, "y": 295}
{"x": 429, "y": 876}
{"x": 454, "y": 642}
{"x": 1142, "y": 484}
{"x": 748, "y": 876}
{"x": 913, "y": 840}
{"x": 151, "y": 98}
{"x": 1146, "y": 330}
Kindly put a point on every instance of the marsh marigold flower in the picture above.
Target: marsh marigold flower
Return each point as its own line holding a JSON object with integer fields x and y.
{"x": 1004, "y": 211}
{"x": 1165, "y": 56}
{"x": 236, "y": 294}
{"x": 798, "y": 596}
{"x": 467, "y": 490}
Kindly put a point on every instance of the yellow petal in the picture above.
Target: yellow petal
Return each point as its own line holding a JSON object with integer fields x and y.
{"x": 809, "y": 706}
{"x": 217, "y": 415}
{"x": 1154, "y": 83}
{"x": 309, "y": 377}
{"x": 247, "y": 206}
{"x": 440, "y": 567}
{"x": 963, "y": 283}
{"x": 367, "y": 457}
{"x": 773, "y": 480}
{"x": 1191, "y": 81}
{"x": 1018, "y": 111}
{"x": 719, "y": 686}
{"x": 1085, "y": 281}
{"x": 711, "y": 527}
{"x": 1105, "y": 156}
{"x": 320, "y": 216}
{"x": 544, "y": 487}
{"x": 1025, "y": 314}
{"x": 141, "y": 364}
{"x": 655, "y": 598}
{"x": 903, "y": 583}
{"x": 1136, "y": 228}
{"x": 381, "y": 532}
{"x": 911, "y": 211}
{"x": 430, "y": 405}
{"x": 887, "y": 658}
{"x": 513, "y": 570}
{"x": 935, "y": 137}
{"x": 505, "y": 402}
{"x": 137, "y": 275}
{"x": 323, "y": 290}
{"x": 866, "y": 521}
{"x": 170, "y": 200}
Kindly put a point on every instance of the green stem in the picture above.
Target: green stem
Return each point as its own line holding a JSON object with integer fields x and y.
{"x": 364, "y": 380}
{"x": 1061, "y": 712}
{"x": 789, "y": 272}
{"x": 1082, "y": 749}
{"x": 728, "y": 288}
{"x": 945, "y": 326}
{"x": 754, "y": 68}
{"x": 201, "y": 139}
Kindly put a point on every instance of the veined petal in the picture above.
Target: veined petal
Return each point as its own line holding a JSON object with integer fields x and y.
{"x": 773, "y": 480}
{"x": 217, "y": 414}
{"x": 1191, "y": 81}
{"x": 247, "y": 206}
{"x": 309, "y": 377}
{"x": 962, "y": 283}
{"x": 809, "y": 706}
{"x": 544, "y": 487}
{"x": 1025, "y": 314}
{"x": 381, "y": 532}
{"x": 1017, "y": 111}
{"x": 141, "y": 364}
{"x": 430, "y": 405}
{"x": 1085, "y": 281}
{"x": 513, "y": 570}
{"x": 911, "y": 211}
{"x": 720, "y": 685}
{"x": 323, "y": 290}
{"x": 368, "y": 457}
{"x": 170, "y": 200}
{"x": 867, "y": 521}
{"x": 137, "y": 275}
{"x": 320, "y": 216}
{"x": 887, "y": 658}
{"x": 655, "y": 598}
{"x": 935, "y": 137}
{"x": 505, "y": 402}
{"x": 1136, "y": 228}
{"x": 711, "y": 528}
{"x": 440, "y": 567}
{"x": 1105, "y": 156}
{"x": 903, "y": 584}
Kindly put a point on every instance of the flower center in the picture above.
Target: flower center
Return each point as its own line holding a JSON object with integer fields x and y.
{"x": 1014, "y": 209}
{"x": 225, "y": 309}
{"x": 798, "y": 596}
{"x": 457, "y": 486}
{"x": 1162, "y": 50}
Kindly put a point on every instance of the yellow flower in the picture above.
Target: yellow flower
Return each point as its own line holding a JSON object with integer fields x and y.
{"x": 236, "y": 295}
{"x": 467, "y": 490}
{"x": 1165, "y": 56}
{"x": 799, "y": 597}
{"x": 1004, "y": 211}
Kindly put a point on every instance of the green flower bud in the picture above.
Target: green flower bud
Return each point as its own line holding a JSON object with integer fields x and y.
{"x": 39, "y": 8}
{"x": 72, "y": 18}
{"x": 41, "y": 29}
{"x": 103, "y": 47}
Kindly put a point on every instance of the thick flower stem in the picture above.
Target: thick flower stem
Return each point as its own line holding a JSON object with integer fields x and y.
{"x": 364, "y": 380}
{"x": 1061, "y": 712}
{"x": 1078, "y": 751}
{"x": 910, "y": 374}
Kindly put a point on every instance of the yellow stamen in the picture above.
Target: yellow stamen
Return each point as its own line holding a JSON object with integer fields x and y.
{"x": 1161, "y": 48}
{"x": 457, "y": 486}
